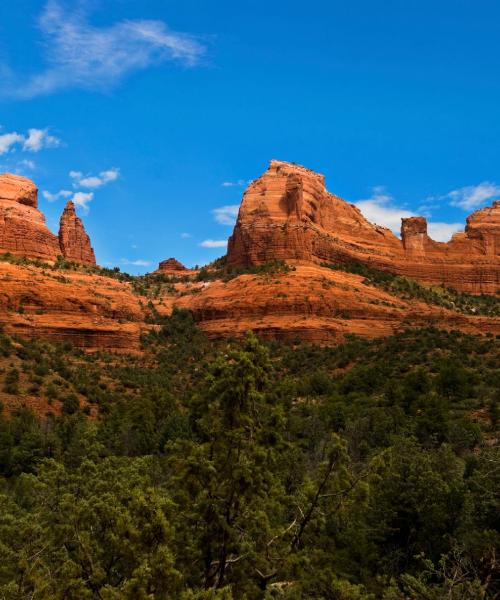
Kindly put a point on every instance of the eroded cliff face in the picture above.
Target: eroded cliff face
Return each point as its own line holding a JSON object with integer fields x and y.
{"x": 73, "y": 239}
{"x": 288, "y": 214}
{"x": 23, "y": 231}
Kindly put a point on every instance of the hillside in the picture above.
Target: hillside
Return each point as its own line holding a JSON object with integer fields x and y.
{"x": 230, "y": 470}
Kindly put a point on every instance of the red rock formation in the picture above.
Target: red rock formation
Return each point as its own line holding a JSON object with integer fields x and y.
{"x": 169, "y": 266}
{"x": 23, "y": 231}
{"x": 317, "y": 304}
{"x": 73, "y": 239}
{"x": 91, "y": 311}
{"x": 288, "y": 214}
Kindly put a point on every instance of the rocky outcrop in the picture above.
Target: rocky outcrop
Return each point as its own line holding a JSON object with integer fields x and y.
{"x": 88, "y": 310}
{"x": 73, "y": 239}
{"x": 317, "y": 304}
{"x": 170, "y": 266}
{"x": 288, "y": 214}
{"x": 23, "y": 231}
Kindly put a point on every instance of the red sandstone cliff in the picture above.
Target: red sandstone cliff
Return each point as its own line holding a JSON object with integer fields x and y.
{"x": 23, "y": 231}
{"x": 73, "y": 239}
{"x": 288, "y": 214}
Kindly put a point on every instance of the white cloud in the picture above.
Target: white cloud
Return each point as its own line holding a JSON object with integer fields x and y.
{"x": 82, "y": 200}
{"x": 186, "y": 236}
{"x": 38, "y": 139}
{"x": 214, "y": 244}
{"x": 472, "y": 196}
{"x": 380, "y": 209}
{"x": 34, "y": 141}
{"x": 27, "y": 164}
{"x": 53, "y": 197}
{"x": 85, "y": 56}
{"x": 136, "y": 263}
{"x": 94, "y": 181}
{"x": 8, "y": 140}
{"x": 442, "y": 232}
{"x": 226, "y": 215}
{"x": 239, "y": 183}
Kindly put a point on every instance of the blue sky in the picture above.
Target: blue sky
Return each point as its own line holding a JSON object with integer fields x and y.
{"x": 153, "y": 115}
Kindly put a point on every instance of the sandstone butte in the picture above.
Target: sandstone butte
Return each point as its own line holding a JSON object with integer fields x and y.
{"x": 288, "y": 214}
{"x": 171, "y": 266}
{"x": 23, "y": 231}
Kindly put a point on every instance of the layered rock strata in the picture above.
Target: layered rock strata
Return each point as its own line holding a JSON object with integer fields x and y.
{"x": 288, "y": 214}
{"x": 170, "y": 266}
{"x": 73, "y": 239}
{"x": 24, "y": 232}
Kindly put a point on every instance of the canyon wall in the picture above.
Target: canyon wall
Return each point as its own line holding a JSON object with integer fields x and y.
{"x": 288, "y": 214}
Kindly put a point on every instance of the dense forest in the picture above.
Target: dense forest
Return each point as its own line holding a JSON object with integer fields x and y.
{"x": 252, "y": 470}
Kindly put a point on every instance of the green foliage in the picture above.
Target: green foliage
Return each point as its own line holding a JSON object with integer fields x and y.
{"x": 221, "y": 270}
{"x": 11, "y": 382}
{"x": 409, "y": 289}
{"x": 247, "y": 470}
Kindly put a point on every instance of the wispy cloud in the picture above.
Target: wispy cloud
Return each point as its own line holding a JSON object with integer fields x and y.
{"x": 27, "y": 164}
{"x": 226, "y": 215}
{"x": 94, "y": 181}
{"x": 186, "y": 236}
{"x": 381, "y": 209}
{"x": 38, "y": 139}
{"x": 85, "y": 56}
{"x": 34, "y": 141}
{"x": 472, "y": 196}
{"x": 53, "y": 197}
{"x": 79, "y": 180}
{"x": 9, "y": 140}
{"x": 136, "y": 263}
{"x": 442, "y": 232}
{"x": 213, "y": 244}
{"x": 82, "y": 199}
{"x": 239, "y": 183}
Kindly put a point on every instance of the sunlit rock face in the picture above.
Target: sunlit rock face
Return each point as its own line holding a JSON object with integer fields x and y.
{"x": 288, "y": 214}
{"x": 73, "y": 239}
{"x": 23, "y": 231}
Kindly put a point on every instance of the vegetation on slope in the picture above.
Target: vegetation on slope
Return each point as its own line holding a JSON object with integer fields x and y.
{"x": 247, "y": 470}
{"x": 408, "y": 288}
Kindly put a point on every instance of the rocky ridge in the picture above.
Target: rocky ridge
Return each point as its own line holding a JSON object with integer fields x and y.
{"x": 288, "y": 214}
